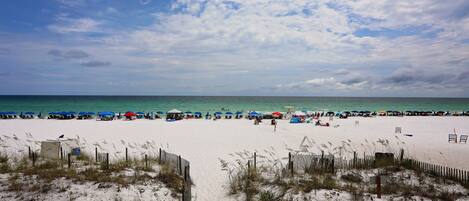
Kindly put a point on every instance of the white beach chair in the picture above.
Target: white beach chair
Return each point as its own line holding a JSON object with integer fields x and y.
{"x": 453, "y": 138}
{"x": 463, "y": 139}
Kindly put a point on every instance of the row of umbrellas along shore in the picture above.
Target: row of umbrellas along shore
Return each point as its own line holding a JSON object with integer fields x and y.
{"x": 176, "y": 114}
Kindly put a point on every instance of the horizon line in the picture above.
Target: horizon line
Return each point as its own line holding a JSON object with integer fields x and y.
{"x": 276, "y": 96}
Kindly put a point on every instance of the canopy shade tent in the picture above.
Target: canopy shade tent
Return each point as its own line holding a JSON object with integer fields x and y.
{"x": 29, "y": 113}
{"x": 106, "y": 116}
{"x": 174, "y": 111}
{"x": 238, "y": 112}
{"x": 174, "y": 115}
{"x": 85, "y": 115}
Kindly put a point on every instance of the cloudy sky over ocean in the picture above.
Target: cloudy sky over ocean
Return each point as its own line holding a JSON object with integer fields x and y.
{"x": 239, "y": 47}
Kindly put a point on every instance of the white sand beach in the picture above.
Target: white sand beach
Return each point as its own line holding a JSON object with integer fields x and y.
{"x": 204, "y": 142}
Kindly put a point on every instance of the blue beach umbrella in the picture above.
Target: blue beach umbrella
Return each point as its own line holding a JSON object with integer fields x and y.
{"x": 106, "y": 113}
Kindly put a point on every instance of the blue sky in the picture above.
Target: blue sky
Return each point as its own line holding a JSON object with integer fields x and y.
{"x": 239, "y": 47}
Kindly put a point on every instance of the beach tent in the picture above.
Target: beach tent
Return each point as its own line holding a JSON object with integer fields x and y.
{"x": 52, "y": 115}
{"x": 106, "y": 116}
{"x": 174, "y": 115}
{"x": 66, "y": 115}
{"x": 197, "y": 115}
{"x": 228, "y": 115}
{"x": 330, "y": 114}
{"x": 85, "y": 115}
{"x": 239, "y": 115}
{"x": 295, "y": 120}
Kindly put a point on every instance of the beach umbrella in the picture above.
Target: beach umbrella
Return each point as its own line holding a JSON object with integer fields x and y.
{"x": 229, "y": 113}
{"x": 29, "y": 113}
{"x": 198, "y": 113}
{"x": 130, "y": 114}
{"x": 140, "y": 113}
{"x": 106, "y": 113}
{"x": 238, "y": 112}
{"x": 299, "y": 114}
{"x": 253, "y": 113}
{"x": 159, "y": 112}
{"x": 218, "y": 113}
{"x": 276, "y": 114}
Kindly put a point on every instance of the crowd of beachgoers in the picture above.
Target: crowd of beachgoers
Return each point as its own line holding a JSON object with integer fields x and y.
{"x": 174, "y": 114}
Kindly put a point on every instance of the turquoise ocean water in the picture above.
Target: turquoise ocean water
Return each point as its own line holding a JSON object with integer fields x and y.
{"x": 219, "y": 103}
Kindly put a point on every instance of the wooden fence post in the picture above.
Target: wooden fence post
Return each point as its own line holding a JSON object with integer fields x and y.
{"x": 126, "y": 155}
{"x": 159, "y": 157}
{"x": 146, "y": 161}
{"x": 107, "y": 161}
{"x": 96, "y": 153}
{"x": 255, "y": 161}
{"x": 180, "y": 164}
{"x": 29, "y": 152}
{"x": 402, "y": 156}
{"x": 378, "y": 185}
{"x": 69, "y": 162}
{"x": 291, "y": 168}
{"x": 354, "y": 159}
{"x": 333, "y": 164}
{"x": 34, "y": 158}
{"x": 61, "y": 153}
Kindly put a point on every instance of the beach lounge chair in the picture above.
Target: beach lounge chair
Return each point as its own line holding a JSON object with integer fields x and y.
{"x": 453, "y": 138}
{"x": 463, "y": 139}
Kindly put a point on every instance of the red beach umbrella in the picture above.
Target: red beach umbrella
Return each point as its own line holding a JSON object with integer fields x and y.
{"x": 130, "y": 114}
{"x": 276, "y": 114}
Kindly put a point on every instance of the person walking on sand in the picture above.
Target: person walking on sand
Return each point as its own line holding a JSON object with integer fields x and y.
{"x": 274, "y": 123}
